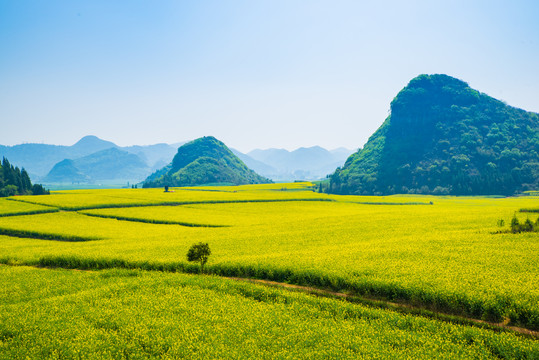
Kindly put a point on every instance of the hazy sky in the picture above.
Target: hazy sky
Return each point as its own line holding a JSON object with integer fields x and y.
{"x": 254, "y": 74}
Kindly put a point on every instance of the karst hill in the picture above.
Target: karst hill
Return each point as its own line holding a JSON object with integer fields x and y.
{"x": 443, "y": 137}
{"x": 204, "y": 161}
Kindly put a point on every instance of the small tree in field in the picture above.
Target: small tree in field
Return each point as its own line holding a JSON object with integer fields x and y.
{"x": 515, "y": 225}
{"x": 199, "y": 253}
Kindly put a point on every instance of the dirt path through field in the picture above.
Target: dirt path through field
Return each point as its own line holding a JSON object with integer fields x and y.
{"x": 402, "y": 307}
{"x": 391, "y": 305}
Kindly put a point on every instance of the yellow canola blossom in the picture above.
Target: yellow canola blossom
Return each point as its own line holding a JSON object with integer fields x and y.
{"x": 436, "y": 251}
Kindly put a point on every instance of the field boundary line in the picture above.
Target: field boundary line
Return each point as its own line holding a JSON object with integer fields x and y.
{"x": 401, "y": 307}
{"x": 25, "y": 234}
{"x": 73, "y": 262}
{"x": 150, "y": 221}
{"x": 31, "y": 202}
{"x": 180, "y": 203}
{"x": 387, "y": 203}
{"x": 29, "y": 212}
{"x": 378, "y": 303}
{"x": 174, "y": 203}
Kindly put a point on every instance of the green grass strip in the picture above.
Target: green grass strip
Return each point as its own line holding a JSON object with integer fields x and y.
{"x": 31, "y": 212}
{"x": 172, "y": 203}
{"x": 25, "y": 234}
{"x": 451, "y": 304}
{"x": 179, "y": 203}
{"x": 388, "y": 203}
{"x": 150, "y": 221}
{"x": 30, "y": 202}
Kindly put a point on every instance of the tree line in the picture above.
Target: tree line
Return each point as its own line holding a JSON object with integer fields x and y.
{"x": 15, "y": 181}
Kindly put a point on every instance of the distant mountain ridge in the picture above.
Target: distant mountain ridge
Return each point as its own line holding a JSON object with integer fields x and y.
{"x": 282, "y": 165}
{"x": 310, "y": 163}
{"x": 39, "y": 159}
{"x": 443, "y": 137}
{"x": 108, "y": 164}
{"x": 91, "y": 144}
{"x": 204, "y": 161}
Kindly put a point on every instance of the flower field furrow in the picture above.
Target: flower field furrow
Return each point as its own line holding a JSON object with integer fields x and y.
{"x": 9, "y": 207}
{"x": 150, "y": 221}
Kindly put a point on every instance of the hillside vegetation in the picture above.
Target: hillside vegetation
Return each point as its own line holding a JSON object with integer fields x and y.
{"x": 204, "y": 161}
{"x": 443, "y": 137}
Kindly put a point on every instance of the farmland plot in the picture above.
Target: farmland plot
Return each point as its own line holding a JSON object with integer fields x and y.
{"x": 440, "y": 253}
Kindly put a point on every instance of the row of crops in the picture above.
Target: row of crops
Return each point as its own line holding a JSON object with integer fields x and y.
{"x": 131, "y": 314}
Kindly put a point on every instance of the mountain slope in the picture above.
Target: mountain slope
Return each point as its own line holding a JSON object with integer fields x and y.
{"x": 204, "y": 161}
{"x": 66, "y": 171}
{"x": 443, "y": 137}
{"x": 310, "y": 163}
{"x": 156, "y": 156}
{"x": 38, "y": 159}
{"x": 108, "y": 164}
{"x": 90, "y": 144}
{"x": 258, "y": 166}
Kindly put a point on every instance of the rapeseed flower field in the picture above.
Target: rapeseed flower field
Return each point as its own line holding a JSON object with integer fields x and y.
{"x": 444, "y": 254}
{"x": 115, "y": 314}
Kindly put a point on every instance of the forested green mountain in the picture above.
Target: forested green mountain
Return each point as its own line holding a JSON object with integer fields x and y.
{"x": 108, "y": 164}
{"x": 204, "y": 161}
{"x": 14, "y": 181}
{"x": 442, "y": 137}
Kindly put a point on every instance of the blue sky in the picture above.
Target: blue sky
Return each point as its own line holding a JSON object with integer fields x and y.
{"x": 255, "y": 74}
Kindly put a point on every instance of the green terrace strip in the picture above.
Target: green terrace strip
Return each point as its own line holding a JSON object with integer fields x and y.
{"x": 194, "y": 202}
{"x": 151, "y": 221}
{"x": 32, "y": 212}
{"x": 388, "y": 203}
{"x": 398, "y": 307}
{"x": 530, "y": 210}
{"x": 179, "y": 203}
{"x": 451, "y": 304}
{"x": 130, "y": 314}
{"x": 25, "y": 201}
{"x": 26, "y": 234}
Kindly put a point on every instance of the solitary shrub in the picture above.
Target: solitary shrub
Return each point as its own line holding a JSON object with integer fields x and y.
{"x": 515, "y": 225}
{"x": 199, "y": 253}
{"x": 528, "y": 225}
